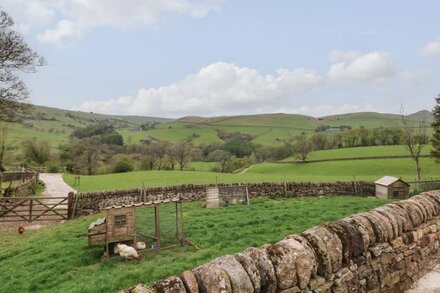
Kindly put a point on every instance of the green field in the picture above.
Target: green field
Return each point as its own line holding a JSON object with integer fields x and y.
{"x": 369, "y": 170}
{"x": 360, "y": 152}
{"x": 57, "y": 259}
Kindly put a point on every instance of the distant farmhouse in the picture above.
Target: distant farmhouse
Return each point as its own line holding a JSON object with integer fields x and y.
{"x": 328, "y": 128}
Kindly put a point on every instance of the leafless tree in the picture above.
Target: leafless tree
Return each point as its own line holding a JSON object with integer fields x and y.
{"x": 3, "y": 141}
{"x": 222, "y": 157}
{"x": 160, "y": 150}
{"x": 302, "y": 147}
{"x": 15, "y": 56}
{"x": 415, "y": 138}
{"x": 182, "y": 152}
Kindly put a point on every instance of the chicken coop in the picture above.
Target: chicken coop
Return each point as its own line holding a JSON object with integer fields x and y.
{"x": 227, "y": 195}
{"x": 391, "y": 187}
{"x": 158, "y": 224}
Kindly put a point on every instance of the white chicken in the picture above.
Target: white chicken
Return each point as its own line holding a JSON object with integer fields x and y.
{"x": 127, "y": 252}
{"x": 140, "y": 245}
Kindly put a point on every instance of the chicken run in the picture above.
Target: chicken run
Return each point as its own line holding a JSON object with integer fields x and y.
{"x": 147, "y": 226}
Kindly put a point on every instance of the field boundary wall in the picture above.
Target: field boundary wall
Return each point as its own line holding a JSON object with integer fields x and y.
{"x": 384, "y": 250}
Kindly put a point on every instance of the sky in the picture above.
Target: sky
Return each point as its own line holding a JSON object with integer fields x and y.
{"x": 222, "y": 57}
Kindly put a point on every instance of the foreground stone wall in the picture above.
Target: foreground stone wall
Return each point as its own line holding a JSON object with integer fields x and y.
{"x": 87, "y": 203}
{"x": 384, "y": 250}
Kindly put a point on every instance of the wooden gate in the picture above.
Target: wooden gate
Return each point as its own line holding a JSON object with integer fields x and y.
{"x": 31, "y": 209}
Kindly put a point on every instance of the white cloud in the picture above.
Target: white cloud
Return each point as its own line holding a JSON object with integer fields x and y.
{"x": 31, "y": 13}
{"x": 76, "y": 17}
{"x": 431, "y": 49}
{"x": 326, "y": 110}
{"x": 225, "y": 88}
{"x": 217, "y": 88}
{"x": 355, "y": 66}
{"x": 65, "y": 28}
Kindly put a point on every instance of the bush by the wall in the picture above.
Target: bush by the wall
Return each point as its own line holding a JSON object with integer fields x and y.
{"x": 426, "y": 186}
{"x": 123, "y": 166}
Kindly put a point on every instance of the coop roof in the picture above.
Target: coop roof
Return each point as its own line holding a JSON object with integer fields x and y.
{"x": 144, "y": 204}
{"x": 388, "y": 180}
{"x": 97, "y": 223}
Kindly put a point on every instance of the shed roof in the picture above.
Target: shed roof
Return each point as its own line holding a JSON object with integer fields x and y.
{"x": 97, "y": 223}
{"x": 144, "y": 204}
{"x": 388, "y": 180}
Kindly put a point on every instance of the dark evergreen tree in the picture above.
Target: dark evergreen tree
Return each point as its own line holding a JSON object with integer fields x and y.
{"x": 436, "y": 135}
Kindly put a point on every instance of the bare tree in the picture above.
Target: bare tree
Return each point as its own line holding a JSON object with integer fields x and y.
{"x": 3, "y": 141}
{"x": 160, "y": 150}
{"x": 222, "y": 157}
{"x": 15, "y": 56}
{"x": 415, "y": 138}
{"x": 302, "y": 147}
{"x": 182, "y": 152}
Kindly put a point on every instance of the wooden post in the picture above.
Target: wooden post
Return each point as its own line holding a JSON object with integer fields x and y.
{"x": 1, "y": 183}
{"x": 30, "y": 210}
{"x": 177, "y": 222}
{"x": 354, "y": 184}
{"x": 70, "y": 205}
{"x": 182, "y": 233}
{"x": 157, "y": 222}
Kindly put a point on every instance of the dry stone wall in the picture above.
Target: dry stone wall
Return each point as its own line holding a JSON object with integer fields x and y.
{"x": 18, "y": 175}
{"x": 384, "y": 250}
{"x": 29, "y": 180}
{"x": 93, "y": 202}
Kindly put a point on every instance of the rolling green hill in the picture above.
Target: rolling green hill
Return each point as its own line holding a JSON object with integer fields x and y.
{"x": 55, "y": 126}
{"x": 271, "y": 129}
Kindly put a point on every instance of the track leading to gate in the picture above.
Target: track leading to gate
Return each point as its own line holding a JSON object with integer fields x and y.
{"x": 55, "y": 186}
{"x": 52, "y": 205}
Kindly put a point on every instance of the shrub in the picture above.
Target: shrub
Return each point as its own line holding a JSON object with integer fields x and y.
{"x": 53, "y": 167}
{"x": 123, "y": 166}
{"x": 426, "y": 186}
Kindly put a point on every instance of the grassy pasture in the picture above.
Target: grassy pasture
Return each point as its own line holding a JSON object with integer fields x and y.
{"x": 57, "y": 258}
{"x": 361, "y": 152}
{"x": 369, "y": 170}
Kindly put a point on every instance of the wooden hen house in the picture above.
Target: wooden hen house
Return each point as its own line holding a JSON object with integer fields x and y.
{"x": 119, "y": 226}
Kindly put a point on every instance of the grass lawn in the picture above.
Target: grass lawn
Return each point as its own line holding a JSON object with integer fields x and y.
{"x": 57, "y": 258}
{"x": 369, "y": 170}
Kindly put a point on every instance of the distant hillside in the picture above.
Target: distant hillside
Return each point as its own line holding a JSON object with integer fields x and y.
{"x": 270, "y": 129}
{"x": 56, "y": 125}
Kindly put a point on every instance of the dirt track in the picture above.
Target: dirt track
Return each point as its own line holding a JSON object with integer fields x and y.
{"x": 55, "y": 185}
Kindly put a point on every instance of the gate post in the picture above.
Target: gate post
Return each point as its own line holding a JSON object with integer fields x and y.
{"x": 70, "y": 205}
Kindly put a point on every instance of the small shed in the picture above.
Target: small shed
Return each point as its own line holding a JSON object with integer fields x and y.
{"x": 391, "y": 187}
{"x": 227, "y": 195}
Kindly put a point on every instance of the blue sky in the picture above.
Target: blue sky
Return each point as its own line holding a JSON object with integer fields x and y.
{"x": 211, "y": 57}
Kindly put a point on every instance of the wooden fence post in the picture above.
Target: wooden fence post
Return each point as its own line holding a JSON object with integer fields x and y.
{"x": 70, "y": 205}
